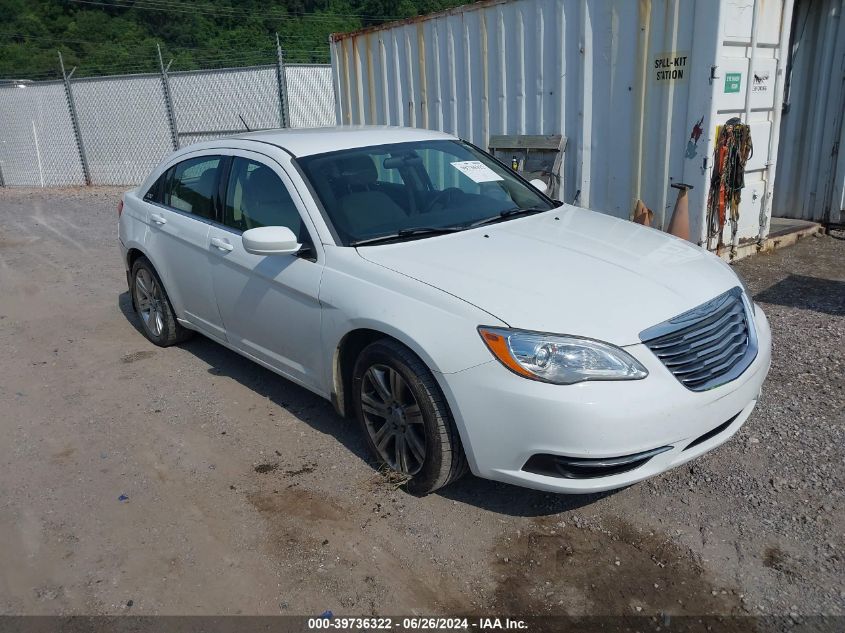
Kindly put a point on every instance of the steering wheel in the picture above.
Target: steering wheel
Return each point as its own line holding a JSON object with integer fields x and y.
{"x": 443, "y": 198}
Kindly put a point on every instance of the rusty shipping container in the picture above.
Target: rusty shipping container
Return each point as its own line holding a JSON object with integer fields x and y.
{"x": 638, "y": 88}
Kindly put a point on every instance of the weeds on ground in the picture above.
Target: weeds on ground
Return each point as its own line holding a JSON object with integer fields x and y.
{"x": 385, "y": 477}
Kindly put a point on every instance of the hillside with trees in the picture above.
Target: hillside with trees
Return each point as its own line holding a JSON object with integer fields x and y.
{"x": 120, "y": 36}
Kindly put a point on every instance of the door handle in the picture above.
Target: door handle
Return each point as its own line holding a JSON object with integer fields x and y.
{"x": 223, "y": 245}
{"x": 158, "y": 219}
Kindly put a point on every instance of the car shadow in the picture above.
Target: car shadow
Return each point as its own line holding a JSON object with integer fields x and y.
{"x": 306, "y": 406}
{"x": 510, "y": 500}
{"x": 124, "y": 302}
{"x": 319, "y": 414}
{"x": 808, "y": 293}
{"x": 298, "y": 401}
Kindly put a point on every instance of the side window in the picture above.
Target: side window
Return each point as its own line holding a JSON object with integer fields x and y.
{"x": 154, "y": 192}
{"x": 256, "y": 197}
{"x": 192, "y": 186}
{"x": 158, "y": 192}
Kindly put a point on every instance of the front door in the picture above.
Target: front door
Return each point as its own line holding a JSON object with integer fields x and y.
{"x": 268, "y": 303}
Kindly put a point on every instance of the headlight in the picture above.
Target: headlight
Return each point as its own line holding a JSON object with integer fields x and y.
{"x": 562, "y": 360}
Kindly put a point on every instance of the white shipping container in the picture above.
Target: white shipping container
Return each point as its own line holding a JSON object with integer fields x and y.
{"x": 638, "y": 88}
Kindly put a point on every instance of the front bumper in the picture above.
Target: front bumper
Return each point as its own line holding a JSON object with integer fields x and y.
{"x": 505, "y": 419}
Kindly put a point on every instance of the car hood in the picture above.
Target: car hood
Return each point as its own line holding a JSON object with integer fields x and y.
{"x": 568, "y": 271}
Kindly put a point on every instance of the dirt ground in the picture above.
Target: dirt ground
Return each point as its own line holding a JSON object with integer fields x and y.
{"x": 188, "y": 480}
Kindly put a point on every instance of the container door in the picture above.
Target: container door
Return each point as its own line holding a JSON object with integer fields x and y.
{"x": 746, "y": 82}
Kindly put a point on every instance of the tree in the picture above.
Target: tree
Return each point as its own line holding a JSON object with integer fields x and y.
{"x": 120, "y": 36}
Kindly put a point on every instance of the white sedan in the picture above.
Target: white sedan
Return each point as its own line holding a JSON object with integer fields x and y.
{"x": 465, "y": 319}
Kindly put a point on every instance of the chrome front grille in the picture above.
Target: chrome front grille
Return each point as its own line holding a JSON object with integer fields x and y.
{"x": 707, "y": 346}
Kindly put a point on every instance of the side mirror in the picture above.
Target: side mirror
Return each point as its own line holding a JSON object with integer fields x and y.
{"x": 539, "y": 185}
{"x": 270, "y": 240}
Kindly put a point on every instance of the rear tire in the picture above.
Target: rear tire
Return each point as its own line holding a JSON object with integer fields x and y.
{"x": 151, "y": 303}
{"x": 405, "y": 418}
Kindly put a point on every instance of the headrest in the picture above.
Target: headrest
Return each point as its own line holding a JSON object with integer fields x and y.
{"x": 264, "y": 185}
{"x": 358, "y": 168}
{"x": 205, "y": 184}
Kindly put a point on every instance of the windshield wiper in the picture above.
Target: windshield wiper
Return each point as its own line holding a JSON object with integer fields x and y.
{"x": 412, "y": 232}
{"x": 508, "y": 213}
{"x": 438, "y": 230}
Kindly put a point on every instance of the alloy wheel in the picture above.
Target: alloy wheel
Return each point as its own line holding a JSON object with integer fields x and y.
{"x": 149, "y": 299}
{"x": 393, "y": 419}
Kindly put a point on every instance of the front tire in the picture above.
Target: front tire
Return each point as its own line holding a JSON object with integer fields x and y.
{"x": 158, "y": 320}
{"x": 405, "y": 418}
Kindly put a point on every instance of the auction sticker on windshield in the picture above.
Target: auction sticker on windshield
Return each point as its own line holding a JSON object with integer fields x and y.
{"x": 476, "y": 171}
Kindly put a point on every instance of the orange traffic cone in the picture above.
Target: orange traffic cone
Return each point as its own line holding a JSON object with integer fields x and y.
{"x": 679, "y": 224}
{"x": 642, "y": 214}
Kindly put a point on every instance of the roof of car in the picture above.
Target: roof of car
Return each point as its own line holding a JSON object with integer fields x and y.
{"x": 309, "y": 141}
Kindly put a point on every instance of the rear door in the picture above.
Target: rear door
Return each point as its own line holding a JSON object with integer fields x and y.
{"x": 183, "y": 205}
{"x": 269, "y": 303}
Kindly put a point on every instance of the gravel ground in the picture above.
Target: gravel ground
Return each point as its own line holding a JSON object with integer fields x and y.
{"x": 191, "y": 481}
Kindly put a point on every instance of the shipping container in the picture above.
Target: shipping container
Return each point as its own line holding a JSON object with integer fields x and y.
{"x": 638, "y": 89}
{"x": 811, "y": 168}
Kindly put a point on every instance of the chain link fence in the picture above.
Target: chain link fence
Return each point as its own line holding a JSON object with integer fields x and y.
{"x": 113, "y": 130}
{"x": 307, "y": 87}
{"x": 37, "y": 144}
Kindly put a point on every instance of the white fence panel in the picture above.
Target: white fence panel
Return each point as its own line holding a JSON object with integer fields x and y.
{"x": 310, "y": 95}
{"x": 37, "y": 145}
{"x": 214, "y": 103}
{"x": 124, "y": 127}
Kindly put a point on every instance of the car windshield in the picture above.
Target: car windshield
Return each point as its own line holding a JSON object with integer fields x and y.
{"x": 411, "y": 190}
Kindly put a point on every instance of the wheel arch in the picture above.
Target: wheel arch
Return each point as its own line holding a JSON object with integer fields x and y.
{"x": 347, "y": 351}
{"x": 133, "y": 253}
{"x": 345, "y": 354}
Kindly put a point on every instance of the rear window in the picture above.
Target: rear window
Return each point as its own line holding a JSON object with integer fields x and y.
{"x": 192, "y": 186}
{"x": 156, "y": 192}
{"x": 189, "y": 186}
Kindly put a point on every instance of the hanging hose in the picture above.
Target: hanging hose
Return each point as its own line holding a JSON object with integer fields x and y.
{"x": 732, "y": 151}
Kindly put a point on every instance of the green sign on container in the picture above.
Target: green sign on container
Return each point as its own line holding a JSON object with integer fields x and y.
{"x": 732, "y": 81}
